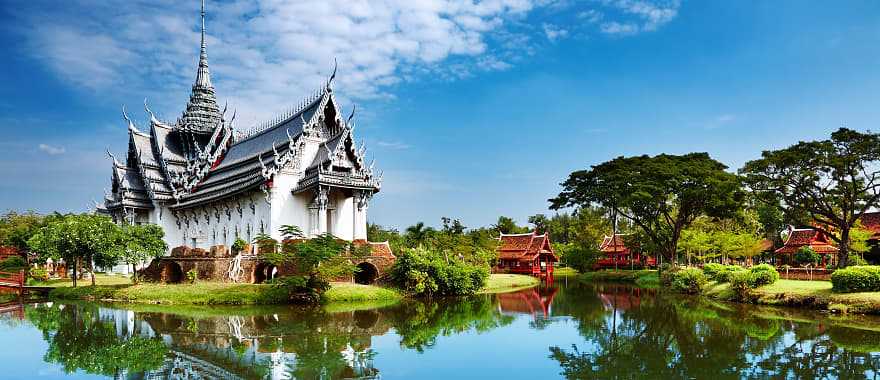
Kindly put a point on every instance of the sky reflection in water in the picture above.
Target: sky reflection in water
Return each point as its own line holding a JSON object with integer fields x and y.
{"x": 565, "y": 330}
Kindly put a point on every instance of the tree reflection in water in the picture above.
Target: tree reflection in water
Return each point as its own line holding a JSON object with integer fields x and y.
{"x": 632, "y": 333}
{"x": 623, "y": 333}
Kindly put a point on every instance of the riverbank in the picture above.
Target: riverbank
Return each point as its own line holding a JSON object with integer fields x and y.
{"x": 114, "y": 289}
{"x": 814, "y": 295}
{"x": 799, "y": 293}
{"x": 646, "y": 278}
{"x": 502, "y": 283}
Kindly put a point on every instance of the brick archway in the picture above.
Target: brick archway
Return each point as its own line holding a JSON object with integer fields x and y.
{"x": 172, "y": 273}
{"x": 367, "y": 273}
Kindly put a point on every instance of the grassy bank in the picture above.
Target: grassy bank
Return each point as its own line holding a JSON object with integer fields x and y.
{"x": 500, "y": 283}
{"x": 644, "y": 278}
{"x": 808, "y": 294}
{"x": 213, "y": 293}
{"x": 348, "y": 292}
{"x": 564, "y": 272}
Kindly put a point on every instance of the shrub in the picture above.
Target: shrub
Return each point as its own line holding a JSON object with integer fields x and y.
{"x": 764, "y": 274}
{"x": 667, "y": 271}
{"x": 192, "y": 276}
{"x": 720, "y": 272}
{"x": 424, "y": 272}
{"x": 806, "y": 255}
{"x": 39, "y": 274}
{"x": 13, "y": 263}
{"x": 238, "y": 245}
{"x": 299, "y": 289}
{"x": 856, "y": 260}
{"x": 741, "y": 283}
{"x": 856, "y": 279}
{"x": 689, "y": 280}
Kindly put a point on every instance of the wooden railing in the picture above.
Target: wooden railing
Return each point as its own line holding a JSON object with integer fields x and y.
{"x": 13, "y": 280}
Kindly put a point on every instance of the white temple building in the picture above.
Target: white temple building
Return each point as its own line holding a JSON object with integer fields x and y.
{"x": 206, "y": 184}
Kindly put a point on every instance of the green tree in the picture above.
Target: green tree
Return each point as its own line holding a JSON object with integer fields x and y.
{"x": 806, "y": 255}
{"x": 76, "y": 238}
{"x": 138, "y": 243}
{"x": 417, "y": 234}
{"x": 506, "y": 225}
{"x": 17, "y": 228}
{"x": 833, "y": 181}
{"x": 661, "y": 195}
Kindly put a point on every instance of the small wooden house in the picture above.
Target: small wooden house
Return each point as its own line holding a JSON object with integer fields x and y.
{"x": 617, "y": 254}
{"x": 525, "y": 253}
{"x": 808, "y": 237}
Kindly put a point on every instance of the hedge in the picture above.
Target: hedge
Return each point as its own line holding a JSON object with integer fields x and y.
{"x": 720, "y": 272}
{"x": 689, "y": 280}
{"x": 864, "y": 278}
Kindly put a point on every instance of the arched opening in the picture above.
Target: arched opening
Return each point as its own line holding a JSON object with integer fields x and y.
{"x": 367, "y": 274}
{"x": 264, "y": 272}
{"x": 172, "y": 273}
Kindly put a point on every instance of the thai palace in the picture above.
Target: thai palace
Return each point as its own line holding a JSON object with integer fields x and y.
{"x": 207, "y": 184}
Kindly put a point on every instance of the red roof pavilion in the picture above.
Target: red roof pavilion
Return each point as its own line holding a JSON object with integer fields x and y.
{"x": 807, "y": 237}
{"x": 526, "y": 253}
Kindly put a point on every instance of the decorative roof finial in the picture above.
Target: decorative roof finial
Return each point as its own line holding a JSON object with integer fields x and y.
{"x": 130, "y": 123}
{"x": 203, "y": 77}
{"x": 333, "y": 75}
{"x": 353, "y": 107}
{"x": 153, "y": 119}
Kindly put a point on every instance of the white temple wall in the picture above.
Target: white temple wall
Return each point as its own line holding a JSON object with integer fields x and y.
{"x": 343, "y": 218}
{"x": 287, "y": 208}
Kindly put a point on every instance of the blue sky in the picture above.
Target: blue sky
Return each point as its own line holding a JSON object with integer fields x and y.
{"x": 473, "y": 110}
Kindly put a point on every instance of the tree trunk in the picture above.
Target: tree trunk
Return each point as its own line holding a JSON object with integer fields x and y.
{"x": 134, "y": 273}
{"x": 843, "y": 253}
{"x": 92, "y": 270}
{"x": 75, "y": 270}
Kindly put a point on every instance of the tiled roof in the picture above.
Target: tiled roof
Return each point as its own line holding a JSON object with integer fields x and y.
{"x": 524, "y": 247}
{"x": 815, "y": 239}
{"x": 613, "y": 244}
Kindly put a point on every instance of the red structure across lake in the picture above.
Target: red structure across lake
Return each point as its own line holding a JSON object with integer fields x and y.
{"x": 525, "y": 253}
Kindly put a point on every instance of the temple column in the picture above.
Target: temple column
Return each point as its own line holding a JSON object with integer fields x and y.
{"x": 362, "y": 202}
{"x": 318, "y": 212}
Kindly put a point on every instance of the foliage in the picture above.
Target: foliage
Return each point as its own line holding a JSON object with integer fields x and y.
{"x": 423, "y": 272}
{"x": 857, "y": 260}
{"x": 74, "y": 238}
{"x": 13, "y": 263}
{"x": 17, "y": 228}
{"x": 39, "y": 274}
{"x": 192, "y": 276}
{"x": 660, "y": 195}
{"x": 856, "y": 279}
{"x": 719, "y": 272}
{"x": 238, "y": 245}
{"x": 578, "y": 256}
{"x": 834, "y": 181}
{"x": 317, "y": 260}
{"x": 689, "y": 280}
{"x": 506, "y": 225}
{"x": 763, "y": 274}
{"x": 806, "y": 256}
{"x": 138, "y": 243}
{"x": 741, "y": 283}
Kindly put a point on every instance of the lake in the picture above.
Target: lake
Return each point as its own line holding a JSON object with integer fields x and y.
{"x": 564, "y": 329}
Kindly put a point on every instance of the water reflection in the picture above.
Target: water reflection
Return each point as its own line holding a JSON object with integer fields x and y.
{"x": 592, "y": 331}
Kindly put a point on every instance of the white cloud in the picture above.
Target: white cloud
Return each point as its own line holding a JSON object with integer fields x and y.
{"x": 645, "y": 16}
{"x": 396, "y": 145}
{"x": 720, "y": 121}
{"x": 265, "y": 55}
{"x": 553, "y": 32}
{"x": 52, "y": 150}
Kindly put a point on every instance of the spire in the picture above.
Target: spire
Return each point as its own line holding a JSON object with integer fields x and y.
{"x": 202, "y": 113}
{"x": 203, "y": 76}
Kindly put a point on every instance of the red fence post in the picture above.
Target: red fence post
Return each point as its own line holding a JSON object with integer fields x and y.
{"x": 21, "y": 283}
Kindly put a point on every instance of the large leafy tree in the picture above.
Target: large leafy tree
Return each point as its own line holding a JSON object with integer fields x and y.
{"x": 78, "y": 238}
{"x": 660, "y": 195}
{"x": 832, "y": 181}
{"x": 138, "y": 243}
{"x": 16, "y": 228}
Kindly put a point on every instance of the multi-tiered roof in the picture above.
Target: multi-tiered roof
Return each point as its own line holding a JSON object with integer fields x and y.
{"x": 199, "y": 159}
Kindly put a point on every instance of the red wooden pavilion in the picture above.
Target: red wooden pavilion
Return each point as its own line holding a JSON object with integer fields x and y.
{"x": 808, "y": 237}
{"x": 525, "y": 253}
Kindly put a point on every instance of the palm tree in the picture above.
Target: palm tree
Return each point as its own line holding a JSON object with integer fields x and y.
{"x": 418, "y": 233}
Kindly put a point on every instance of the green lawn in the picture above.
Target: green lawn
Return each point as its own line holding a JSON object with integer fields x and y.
{"x": 100, "y": 279}
{"x": 500, "y": 282}
{"x": 644, "y": 278}
{"x": 565, "y": 271}
{"x": 348, "y": 292}
{"x": 213, "y": 293}
{"x": 811, "y": 294}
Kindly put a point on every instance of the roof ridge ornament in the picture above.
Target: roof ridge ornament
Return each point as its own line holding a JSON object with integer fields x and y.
{"x": 333, "y": 74}
{"x": 131, "y": 126}
{"x": 153, "y": 119}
